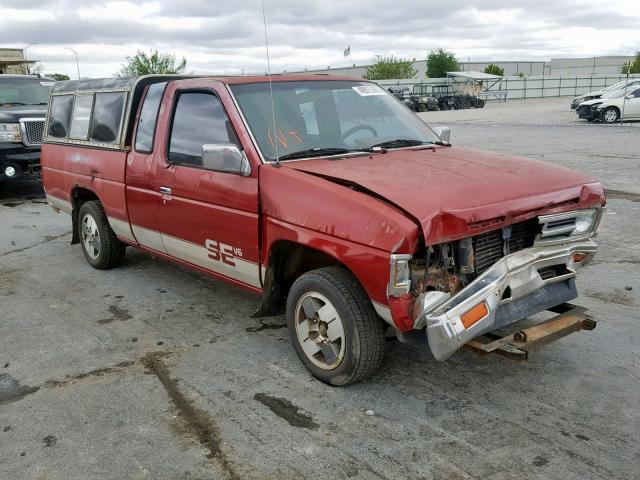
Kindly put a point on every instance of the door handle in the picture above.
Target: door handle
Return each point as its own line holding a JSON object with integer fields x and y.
{"x": 165, "y": 190}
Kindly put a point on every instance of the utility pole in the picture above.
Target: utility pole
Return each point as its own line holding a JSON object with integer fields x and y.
{"x": 24, "y": 51}
{"x": 77, "y": 63}
{"x": 624, "y": 99}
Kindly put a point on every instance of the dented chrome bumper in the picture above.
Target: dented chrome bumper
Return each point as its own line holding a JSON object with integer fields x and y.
{"x": 512, "y": 289}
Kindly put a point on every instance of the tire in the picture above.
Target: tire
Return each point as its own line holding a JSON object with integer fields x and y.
{"x": 108, "y": 251}
{"x": 466, "y": 103}
{"x": 3, "y": 188}
{"x": 610, "y": 115}
{"x": 422, "y": 107}
{"x": 354, "y": 355}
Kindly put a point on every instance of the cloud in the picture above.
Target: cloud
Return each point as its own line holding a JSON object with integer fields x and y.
{"x": 228, "y": 37}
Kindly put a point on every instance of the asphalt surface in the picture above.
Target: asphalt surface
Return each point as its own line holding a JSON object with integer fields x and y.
{"x": 150, "y": 371}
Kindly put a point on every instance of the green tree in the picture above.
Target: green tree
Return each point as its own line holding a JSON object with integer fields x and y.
{"x": 494, "y": 69}
{"x": 385, "y": 68}
{"x": 439, "y": 62}
{"x": 632, "y": 66}
{"x": 58, "y": 77}
{"x": 156, "y": 62}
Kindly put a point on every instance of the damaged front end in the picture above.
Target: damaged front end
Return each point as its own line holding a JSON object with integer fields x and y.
{"x": 466, "y": 288}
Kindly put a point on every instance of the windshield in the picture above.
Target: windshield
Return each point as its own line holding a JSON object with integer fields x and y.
{"x": 621, "y": 93}
{"x": 615, "y": 86}
{"x": 327, "y": 116}
{"x": 24, "y": 91}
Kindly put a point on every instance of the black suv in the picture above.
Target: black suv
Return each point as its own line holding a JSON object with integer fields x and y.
{"x": 23, "y": 108}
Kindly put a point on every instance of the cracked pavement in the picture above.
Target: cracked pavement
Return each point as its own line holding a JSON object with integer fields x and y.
{"x": 150, "y": 371}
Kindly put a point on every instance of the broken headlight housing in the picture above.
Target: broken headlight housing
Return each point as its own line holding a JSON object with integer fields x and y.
{"x": 10, "y": 132}
{"x": 399, "y": 275}
{"x": 586, "y": 221}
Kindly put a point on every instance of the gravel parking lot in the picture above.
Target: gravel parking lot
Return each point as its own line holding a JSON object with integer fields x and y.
{"x": 150, "y": 371}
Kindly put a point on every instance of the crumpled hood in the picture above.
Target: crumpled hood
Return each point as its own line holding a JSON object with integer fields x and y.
{"x": 595, "y": 101}
{"x": 455, "y": 192}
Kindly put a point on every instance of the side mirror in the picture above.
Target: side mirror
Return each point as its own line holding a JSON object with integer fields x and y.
{"x": 225, "y": 157}
{"x": 444, "y": 133}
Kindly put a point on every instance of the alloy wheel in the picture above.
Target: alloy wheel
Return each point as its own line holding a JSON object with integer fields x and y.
{"x": 90, "y": 236}
{"x": 320, "y": 330}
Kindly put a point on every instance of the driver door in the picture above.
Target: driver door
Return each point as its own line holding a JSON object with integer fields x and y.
{"x": 209, "y": 219}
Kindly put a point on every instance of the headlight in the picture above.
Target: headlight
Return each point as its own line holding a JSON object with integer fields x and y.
{"x": 399, "y": 275}
{"x": 10, "y": 132}
{"x": 585, "y": 221}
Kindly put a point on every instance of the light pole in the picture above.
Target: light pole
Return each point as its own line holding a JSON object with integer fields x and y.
{"x": 77, "y": 64}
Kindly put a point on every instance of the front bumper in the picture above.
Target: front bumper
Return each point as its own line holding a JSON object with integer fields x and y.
{"x": 512, "y": 289}
{"x": 588, "y": 112}
{"x": 25, "y": 160}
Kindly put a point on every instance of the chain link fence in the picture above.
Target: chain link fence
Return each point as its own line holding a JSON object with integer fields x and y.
{"x": 530, "y": 87}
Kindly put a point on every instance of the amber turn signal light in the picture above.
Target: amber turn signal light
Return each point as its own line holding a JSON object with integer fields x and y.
{"x": 474, "y": 314}
{"x": 577, "y": 257}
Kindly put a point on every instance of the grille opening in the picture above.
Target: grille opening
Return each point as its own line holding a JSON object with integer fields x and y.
{"x": 489, "y": 247}
{"x": 34, "y": 130}
{"x": 507, "y": 293}
{"x": 552, "y": 271}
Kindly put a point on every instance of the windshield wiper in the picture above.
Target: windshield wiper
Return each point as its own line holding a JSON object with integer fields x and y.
{"x": 11, "y": 103}
{"x": 314, "y": 152}
{"x": 398, "y": 143}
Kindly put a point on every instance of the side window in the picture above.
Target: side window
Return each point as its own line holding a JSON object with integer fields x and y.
{"x": 61, "y": 107}
{"x": 107, "y": 117}
{"x": 199, "y": 119}
{"x": 146, "y": 131}
{"x": 81, "y": 117}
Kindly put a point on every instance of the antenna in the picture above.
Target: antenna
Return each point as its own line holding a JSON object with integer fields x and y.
{"x": 273, "y": 109}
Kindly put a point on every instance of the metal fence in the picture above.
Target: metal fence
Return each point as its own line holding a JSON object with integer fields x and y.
{"x": 534, "y": 86}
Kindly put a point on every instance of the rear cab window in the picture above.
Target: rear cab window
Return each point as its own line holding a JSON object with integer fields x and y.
{"x": 81, "y": 117}
{"x": 60, "y": 116}
{"x": 145, "y": 133}
{"x": 82, "y": 114}
{"x": 107, "y": 117}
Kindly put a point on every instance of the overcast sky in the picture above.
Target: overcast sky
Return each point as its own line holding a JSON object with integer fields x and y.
{"x": 228, "y": 37}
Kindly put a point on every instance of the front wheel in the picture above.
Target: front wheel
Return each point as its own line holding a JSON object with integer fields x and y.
{"x": 100, "y": 246}
{"x": 334, "y": 327}
{"x": 610, "y": 115}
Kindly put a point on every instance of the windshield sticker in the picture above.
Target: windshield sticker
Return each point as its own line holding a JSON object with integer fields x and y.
{"x": 368, "y": 90}
{"x": 47, "y": 84}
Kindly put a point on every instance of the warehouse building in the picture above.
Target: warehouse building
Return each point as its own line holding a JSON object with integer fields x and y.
{"x": 13, "y": 61}
{"x": 558, "y": 67}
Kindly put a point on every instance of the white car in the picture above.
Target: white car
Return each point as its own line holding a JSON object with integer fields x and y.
{"x": 605, "y": 92}
{"x": 610, "y": 110}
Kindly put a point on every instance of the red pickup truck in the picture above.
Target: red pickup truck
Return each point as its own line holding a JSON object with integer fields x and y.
{"x": 331, "y": 200}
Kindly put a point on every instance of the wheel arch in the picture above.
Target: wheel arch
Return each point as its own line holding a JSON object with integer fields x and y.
{"x": 79, "y": 195}
{"x": 287, "y": 260}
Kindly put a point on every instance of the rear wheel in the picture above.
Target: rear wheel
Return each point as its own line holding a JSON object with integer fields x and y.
{"x": 100, "y": 246}
{"x": 422, "y": 107}
{"x": 610, "y": 115}
{"x": 334, "y": 327}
